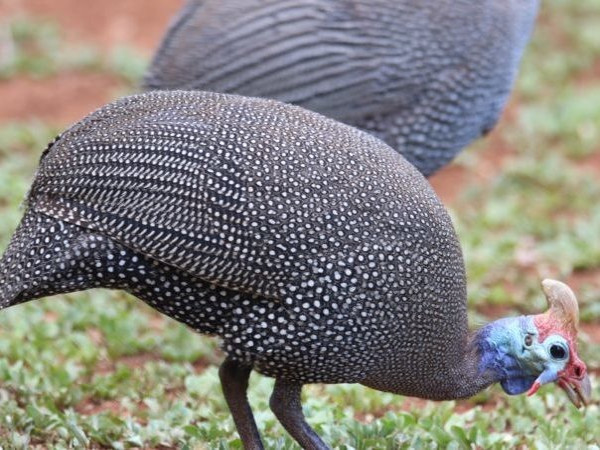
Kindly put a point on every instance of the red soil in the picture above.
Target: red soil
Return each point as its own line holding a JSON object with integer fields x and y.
{"x": 60, "y": 100}
{"x": 450, "y": 181}
{"x": 139, "y": 23}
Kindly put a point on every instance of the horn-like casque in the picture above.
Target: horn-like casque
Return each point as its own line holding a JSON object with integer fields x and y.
{"x": 562, "y": 303}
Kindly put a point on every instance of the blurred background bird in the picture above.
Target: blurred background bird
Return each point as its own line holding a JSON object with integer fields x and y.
{"x": 426, "y": 77}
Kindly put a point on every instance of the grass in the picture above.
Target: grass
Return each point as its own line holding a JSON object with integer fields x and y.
{"x": 101, "y": 370}
{"x": 35, "y": 48}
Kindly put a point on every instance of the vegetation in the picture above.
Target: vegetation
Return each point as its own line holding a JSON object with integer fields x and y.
{"x": 101, "y": 370}
{"x": 33, "y": 47}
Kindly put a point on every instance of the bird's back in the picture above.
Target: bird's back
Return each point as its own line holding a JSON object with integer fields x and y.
{"x": 427, "y": 77}
{"x": 325, "y": 251}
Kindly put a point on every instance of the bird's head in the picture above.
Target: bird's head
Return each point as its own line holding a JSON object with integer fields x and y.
{"x": 530, "y": 351}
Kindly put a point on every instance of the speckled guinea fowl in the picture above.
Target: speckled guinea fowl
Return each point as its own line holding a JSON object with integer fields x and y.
{"x": 313, "y": 250}
{"x": 427, "y": 77}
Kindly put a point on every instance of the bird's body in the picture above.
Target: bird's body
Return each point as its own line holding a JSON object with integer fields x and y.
{"x": 312, "y": 249}
{"x": 427, "y": 77}
{"x": 285, "y": 218}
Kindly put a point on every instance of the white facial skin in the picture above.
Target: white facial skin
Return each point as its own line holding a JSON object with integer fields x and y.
{"x": 546, "y": 358}
{"x": 525, "y": 361}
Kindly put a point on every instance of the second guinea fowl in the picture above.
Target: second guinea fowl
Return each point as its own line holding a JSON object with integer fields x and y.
{"x": 313, "y": 250}
{"x": 427, "y": 77}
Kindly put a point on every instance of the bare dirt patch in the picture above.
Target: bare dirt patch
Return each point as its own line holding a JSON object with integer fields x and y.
{"x": 68, "y": 97}
{"x": 59, "y": 100}
{"x": 590, "y": 76}
{"x": 580, "y": 278}
{"x": 449, "y": 182}
{"x": 494, "y": 311}
{"x": 138, "y": 360}
{"x": 591, "y": 163}
{"x": 132, "y": 361}
{"x": 140, "y": 23}
{"x": 592, "y": 330}
{"x": 90, "y": 407}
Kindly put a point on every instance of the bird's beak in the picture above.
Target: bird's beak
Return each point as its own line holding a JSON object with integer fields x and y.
{"x": 579, "y": 391}
{"x": 577, "y": 385}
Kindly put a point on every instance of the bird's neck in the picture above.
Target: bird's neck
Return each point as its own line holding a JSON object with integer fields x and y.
{"x": 486, "y": 358}
{"x": 489, "y": 357}
{"x": 474, "y": 371}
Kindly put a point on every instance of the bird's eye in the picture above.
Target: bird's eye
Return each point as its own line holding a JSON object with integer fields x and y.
{"x": 528, "y": 340}
{"x": 558, "y": 351}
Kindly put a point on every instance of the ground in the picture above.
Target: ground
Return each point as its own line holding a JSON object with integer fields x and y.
{"x": 101, "y": 370}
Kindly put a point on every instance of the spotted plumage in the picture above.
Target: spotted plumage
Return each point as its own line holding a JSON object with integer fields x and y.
{"x": 427, "y": 77}
{"x": 311, "y": 249}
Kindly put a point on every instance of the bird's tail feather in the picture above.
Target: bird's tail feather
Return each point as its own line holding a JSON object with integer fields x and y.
{"x": 47, "y": 256}
{"x": 35, "y": 265}
{"x": 16, "y": 262}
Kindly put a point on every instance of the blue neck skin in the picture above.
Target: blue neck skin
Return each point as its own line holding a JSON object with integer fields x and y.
{"x": 499, "y": 343}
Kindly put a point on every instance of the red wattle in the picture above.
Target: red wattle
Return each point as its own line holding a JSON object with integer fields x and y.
{"x": 533, "y": 389}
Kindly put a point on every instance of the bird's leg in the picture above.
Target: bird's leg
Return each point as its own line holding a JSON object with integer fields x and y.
{"x": 285, "y": 403}
{"x": 234, "y": 381}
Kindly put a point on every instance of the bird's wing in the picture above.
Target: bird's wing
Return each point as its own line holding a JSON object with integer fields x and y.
{"x": 225, "y": 188}
{"x": 152, "y": 175}
{"x": 344, "y": 58}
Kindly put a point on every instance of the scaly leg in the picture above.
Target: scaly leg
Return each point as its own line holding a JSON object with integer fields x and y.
{"x": 285, "y": 403}
{"x": 234, "y": 380}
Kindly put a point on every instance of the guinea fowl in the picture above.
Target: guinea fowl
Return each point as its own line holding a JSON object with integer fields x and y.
{"x": 427, "y": 77}
{"x": 312, "y": 249}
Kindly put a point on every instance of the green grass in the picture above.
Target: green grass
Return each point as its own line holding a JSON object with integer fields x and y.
{"x": 102, "y": 370}
{"x": 36, "y": 48}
